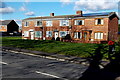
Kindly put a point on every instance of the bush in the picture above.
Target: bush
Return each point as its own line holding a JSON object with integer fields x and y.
{"x": 57, "y": 39}
{"x": 67, "y": 37}
{"x": 53, "y": 38}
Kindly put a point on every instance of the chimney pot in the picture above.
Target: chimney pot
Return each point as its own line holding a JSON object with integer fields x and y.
{"x": 79, "y": 12}
{"x": 51, "y": 14}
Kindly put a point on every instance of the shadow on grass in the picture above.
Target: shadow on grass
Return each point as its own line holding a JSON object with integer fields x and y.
{"x": 110, "y": 71}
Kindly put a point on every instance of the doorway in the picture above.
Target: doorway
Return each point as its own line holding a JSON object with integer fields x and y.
{"x": 85, "y": 36}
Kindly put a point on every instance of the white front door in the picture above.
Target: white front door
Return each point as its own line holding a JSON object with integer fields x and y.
{"x": 56, "y": 35}
{"x": 32, "y": 35}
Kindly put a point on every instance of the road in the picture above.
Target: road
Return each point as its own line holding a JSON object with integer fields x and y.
{"x": 16, "y": 65}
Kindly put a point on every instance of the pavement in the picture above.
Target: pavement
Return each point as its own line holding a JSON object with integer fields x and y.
{"x": 20, "y": 65}
{"x": 60, "y": 57}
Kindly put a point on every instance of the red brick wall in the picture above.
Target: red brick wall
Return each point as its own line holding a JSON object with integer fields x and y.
{"x": 113, "y": 29}
{"x": 111, "y": 25}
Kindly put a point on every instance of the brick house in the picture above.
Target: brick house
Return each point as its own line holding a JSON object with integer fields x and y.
{"x": 8, "y": 27}
{"x": 87, "y": 28}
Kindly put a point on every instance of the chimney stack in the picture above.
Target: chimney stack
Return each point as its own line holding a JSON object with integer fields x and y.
{"x": 79, "y": 12}
{"x": 51, "y": 14}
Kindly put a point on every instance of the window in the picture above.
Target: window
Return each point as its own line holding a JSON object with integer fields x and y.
{"x": 64, "y": 22}
{"x": 98, "y": 35}
{"x": 79, "y": 22}
{"x": 26, "y": 23}
{"x": 77, "y": 35}
{"x": 99, "y": 22}
{"x": 38, "y": 34}
{"x": 63, "y": 33}
{"x": 26, "y": 33}
{"x": 48, "y": 33}
{"x": 38, "y": 23}
{"x": 48, "y": 23}
{"x": 3, "y": 27}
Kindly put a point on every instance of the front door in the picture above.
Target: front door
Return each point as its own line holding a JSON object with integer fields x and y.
{"x": 56, "y": 35}
{"x": 32, "y": 35}
{"x": 85, "y": 35}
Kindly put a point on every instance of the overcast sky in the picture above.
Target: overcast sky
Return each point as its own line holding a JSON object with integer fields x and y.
{"x": 21, "y": 9}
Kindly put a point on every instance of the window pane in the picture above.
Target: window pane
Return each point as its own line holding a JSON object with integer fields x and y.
{"x": 99, "y": 21}
{"x": 96, "y": 22}
{"x": 48, "y": 23}
{"x": 75, "y": 36}
{"x": 39, "y": 23}
{"x": 102, "y": 22}
{"x": 101, "y": 35}
{"x": 48, "y": 33}
{"x": 79, "y": 35}
{"x": 80, "y": 22}
{"x": 95, "y": 35}
{"x": 26, "y": 33}
{"x": 26, "y": 23}
{"x": 64, "y": 22}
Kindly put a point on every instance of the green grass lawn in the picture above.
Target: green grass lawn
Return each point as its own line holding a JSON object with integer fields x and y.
{"x": 49, "y": 46}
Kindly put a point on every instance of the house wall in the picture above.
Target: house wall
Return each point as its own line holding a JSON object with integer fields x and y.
{"x": 113, "y": 29}
{"x": 3, "y": 28}
{"x": 109, "y": 26}
{"x": 12, "y": 27}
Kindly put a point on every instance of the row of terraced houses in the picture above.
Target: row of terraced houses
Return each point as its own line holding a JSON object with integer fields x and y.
{"x": 86, "y": 28}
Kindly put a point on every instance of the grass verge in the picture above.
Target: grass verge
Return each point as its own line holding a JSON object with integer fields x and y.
{"x": 49, "y": 46}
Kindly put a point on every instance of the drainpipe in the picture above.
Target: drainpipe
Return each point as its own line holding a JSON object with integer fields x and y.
{"x": 43, "y": 29}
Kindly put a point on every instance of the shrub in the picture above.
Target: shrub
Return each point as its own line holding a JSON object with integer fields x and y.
{"x": 67, "y": 37}
{"x": 57, "y": 39}
{"x": 53, "y": 38}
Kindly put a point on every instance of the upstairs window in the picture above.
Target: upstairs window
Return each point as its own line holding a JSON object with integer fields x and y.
{"x": 64, "y": 22}
{"x": 26, "y": 23}
{"x": 99, "y": 22}
{"x": 48, "y": 23}
{"x": 79, "y": 22}
{"x": 38, "y": 23}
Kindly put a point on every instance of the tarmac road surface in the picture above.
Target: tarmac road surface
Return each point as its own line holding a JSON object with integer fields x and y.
{"x": 16, "y": 65}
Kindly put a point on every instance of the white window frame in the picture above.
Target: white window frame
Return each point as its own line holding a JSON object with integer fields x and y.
{"x": 64, "y": 22}
{"x": 98, "y": 35}
{"x": 49, "y": 23}
{"x": 96, "y": 22}
{"x": 26, "y": 23}
{"x": 76, "y": 35}
{"x": 64, "y": 34}
{"x": 40, "y": 33}
{"x": 49, "y": 35}
{"x": 39, "y": 24}
{"x": 76, "y": 22}
{"x": 26, "y": 33}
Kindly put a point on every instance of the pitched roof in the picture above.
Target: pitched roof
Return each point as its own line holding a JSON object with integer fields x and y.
{"x": 5, "y": 22}
{"x": 73, "y": 16}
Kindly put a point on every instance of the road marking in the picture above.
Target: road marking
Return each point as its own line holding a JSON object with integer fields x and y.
{"x": 47, "y": 74}
{"x": 4, "y": 63}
